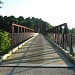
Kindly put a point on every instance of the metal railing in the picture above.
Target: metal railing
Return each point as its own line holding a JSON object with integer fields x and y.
{"x": 19, "y": 34}
{"x": 17, "y": 38}
{"x": 62, "y": 37}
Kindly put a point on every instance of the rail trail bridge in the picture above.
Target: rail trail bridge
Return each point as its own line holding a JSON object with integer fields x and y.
{"x": 54, "y": 48}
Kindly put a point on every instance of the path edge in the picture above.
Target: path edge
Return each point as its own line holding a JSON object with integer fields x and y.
{"x": 5, "y": 56}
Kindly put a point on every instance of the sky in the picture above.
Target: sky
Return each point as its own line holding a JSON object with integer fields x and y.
{"x": 55, "y": 12}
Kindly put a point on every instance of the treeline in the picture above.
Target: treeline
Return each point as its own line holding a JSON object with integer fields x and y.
{"x": 72, "y": 31}
{"x": 6, "y": 22}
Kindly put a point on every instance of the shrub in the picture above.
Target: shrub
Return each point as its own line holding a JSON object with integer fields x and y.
{"x": 4, "y": 42}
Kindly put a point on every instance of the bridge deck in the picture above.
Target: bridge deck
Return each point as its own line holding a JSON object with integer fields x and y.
{"x": 37, "y": 52}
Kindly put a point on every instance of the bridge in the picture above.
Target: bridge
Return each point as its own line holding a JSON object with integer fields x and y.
{"x": 54, "y": 48}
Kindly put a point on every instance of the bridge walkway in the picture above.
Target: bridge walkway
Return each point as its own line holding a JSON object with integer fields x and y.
{"x": 38, "y": 52}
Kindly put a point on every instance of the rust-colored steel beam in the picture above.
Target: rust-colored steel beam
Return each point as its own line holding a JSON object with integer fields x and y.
{"x": 26, "y": 29}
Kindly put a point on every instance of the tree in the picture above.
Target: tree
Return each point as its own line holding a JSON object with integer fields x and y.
{"x": 1, "y": 22}
{"x": 1, "y": 3}
{"x": 20, "y": 20}
{"x": 28, "y": 22}
{"x": 11, "y": 19}
{"x": 48, "y": 26}
{"x": 4, "y": 42}
{"x": 33, "y": 23}
{"x": 73, "y": 31}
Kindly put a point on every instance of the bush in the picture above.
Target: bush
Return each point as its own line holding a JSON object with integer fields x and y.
{"x": 4, "y": 42}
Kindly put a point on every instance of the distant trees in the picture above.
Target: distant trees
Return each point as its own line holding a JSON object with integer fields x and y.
{"x": 5, "y": 23}
{"x": 72, "y": 31}
{"x": 34, "y": 23}
{"x": 48, "y": 26}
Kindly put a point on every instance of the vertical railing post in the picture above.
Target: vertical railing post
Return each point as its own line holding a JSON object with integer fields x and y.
{"x": 63, "y": 40}
{"x": 55, "y": 34}
{"x": 71, "y": 49}
{"x": 58, "y": 35}
{"x": 21, "y": 30}
{"x": 12, "y": 28}
{"x": 60, "y": 29}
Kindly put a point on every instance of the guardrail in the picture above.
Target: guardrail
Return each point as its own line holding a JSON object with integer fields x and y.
{"x": 18, "y": 38}
{"x": 62, "y": 37}
{"x": 19, "y": 34}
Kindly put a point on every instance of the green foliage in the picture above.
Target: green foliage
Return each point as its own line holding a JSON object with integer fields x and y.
{"x": 1, "y": 3}
{"x": 72, "y": 31}
{"x": 34, "y": 23}
{"x": 4, "y": 42}
{"x": 48, "y": 26}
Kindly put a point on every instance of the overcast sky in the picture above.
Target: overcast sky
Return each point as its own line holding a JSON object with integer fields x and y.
{"x": 55, "y": 12}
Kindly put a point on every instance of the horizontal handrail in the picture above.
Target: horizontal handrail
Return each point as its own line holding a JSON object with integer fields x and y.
{"x": 15, "y": 28}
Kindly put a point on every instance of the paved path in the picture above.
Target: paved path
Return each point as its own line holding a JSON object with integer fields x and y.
{"x": 36, "y": 71}
{"x": 37, "y": 52}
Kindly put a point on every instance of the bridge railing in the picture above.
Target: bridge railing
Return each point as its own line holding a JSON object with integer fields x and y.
{"x": 19, "y": 34}
{"x": 63, "y": 38}
{"x": 18, "y": 38}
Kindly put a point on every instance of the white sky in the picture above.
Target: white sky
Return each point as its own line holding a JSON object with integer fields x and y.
{"x": 55, "y": 12}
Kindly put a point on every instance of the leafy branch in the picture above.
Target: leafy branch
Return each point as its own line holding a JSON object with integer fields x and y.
{"x": 1, "y": 3}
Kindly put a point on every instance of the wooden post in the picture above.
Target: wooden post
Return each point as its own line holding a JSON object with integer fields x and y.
{"x": 12, "y": 29}
{"x": 25, "y": 30}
